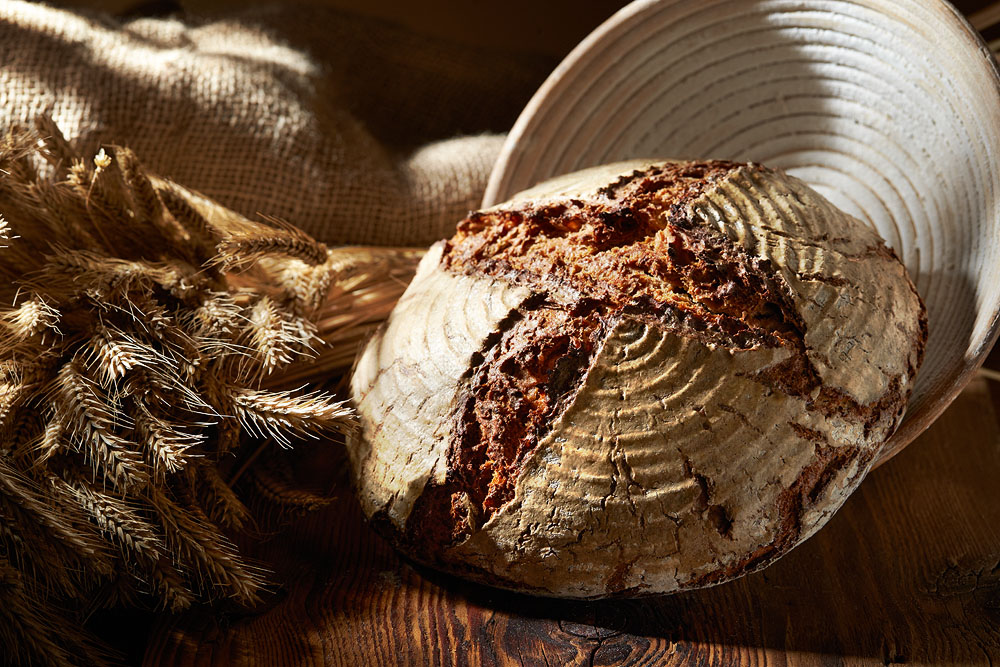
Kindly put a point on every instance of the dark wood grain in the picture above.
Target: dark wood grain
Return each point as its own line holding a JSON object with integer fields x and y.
{"x": 907, "y": 572}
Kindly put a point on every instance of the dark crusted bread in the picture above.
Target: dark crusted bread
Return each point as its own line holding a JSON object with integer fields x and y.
{"x": 639, "y": 378}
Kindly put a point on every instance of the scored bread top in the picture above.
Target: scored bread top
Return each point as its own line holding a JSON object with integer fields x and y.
{"x": 639, "y": 378}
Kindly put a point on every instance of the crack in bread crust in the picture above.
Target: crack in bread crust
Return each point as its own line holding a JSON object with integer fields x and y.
{"x": 525, "y": 378}
{"x": 640, "y": 252}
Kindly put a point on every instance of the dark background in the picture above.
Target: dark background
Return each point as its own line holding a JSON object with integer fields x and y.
{"x": 544, "y": 27}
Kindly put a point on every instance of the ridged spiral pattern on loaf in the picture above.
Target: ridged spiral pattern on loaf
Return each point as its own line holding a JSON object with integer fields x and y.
{"x": 889, "y": 108}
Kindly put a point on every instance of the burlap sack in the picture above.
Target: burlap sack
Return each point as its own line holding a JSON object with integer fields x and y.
{"x": 346, "y": 127}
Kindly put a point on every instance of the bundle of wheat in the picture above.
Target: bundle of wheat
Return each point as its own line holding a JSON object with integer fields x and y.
{"x": 147, "y": 334}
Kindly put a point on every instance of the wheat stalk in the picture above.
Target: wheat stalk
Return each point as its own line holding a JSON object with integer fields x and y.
{"x": 224, "y": 506}
{"x": 280, "y": 414}
{"x": 195, "y": 539}
{"x": 43, "y": 636}
{"x": 117, "y": 520}
{"x": 145, "y": 333}
{"x": 90, "y": 425}
{"x": 280, "y": 491}
{"x": 247, "y": 246}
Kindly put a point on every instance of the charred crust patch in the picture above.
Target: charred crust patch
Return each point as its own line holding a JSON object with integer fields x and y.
{"x": 441, "y": 515}
{"x": 796, "y": 376}
{"x": 720, "y": 518}
{"x": 615, "y": 583}
{"x": 717, "y": 515}
{"x": 421, "y": 543}
{"x": 806, "y": 433}
{"x": 881, "y": 414}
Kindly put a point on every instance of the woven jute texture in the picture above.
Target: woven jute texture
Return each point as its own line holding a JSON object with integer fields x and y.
{"x": 357, "y": 131}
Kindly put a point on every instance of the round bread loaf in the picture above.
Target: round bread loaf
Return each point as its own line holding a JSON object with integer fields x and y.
{"x": 636, "y": 379}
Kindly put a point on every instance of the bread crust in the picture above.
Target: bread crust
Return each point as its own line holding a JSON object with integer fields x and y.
{"x": 637, "y": 379}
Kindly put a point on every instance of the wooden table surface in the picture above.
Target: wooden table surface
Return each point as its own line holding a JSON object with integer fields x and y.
{"x": 908, "y": 572}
